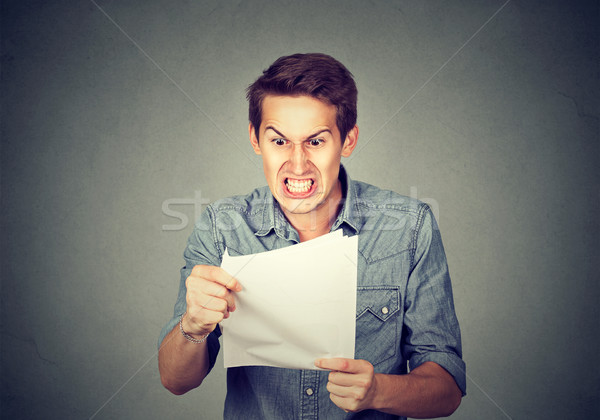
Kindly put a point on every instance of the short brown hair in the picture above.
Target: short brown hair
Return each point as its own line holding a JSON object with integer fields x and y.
{"x": 314, "y": 74}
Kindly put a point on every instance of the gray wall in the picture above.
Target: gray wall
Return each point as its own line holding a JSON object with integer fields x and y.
{"x": 109, "y": 114}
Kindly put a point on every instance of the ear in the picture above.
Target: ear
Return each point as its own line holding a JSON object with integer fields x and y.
{"x": 350, "y": 143}
{"x": 253, "y": 139}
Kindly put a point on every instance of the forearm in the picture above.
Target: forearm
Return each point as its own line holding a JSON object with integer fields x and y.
{"x": 426, "y": 392}
{"x": 183, "y": 365}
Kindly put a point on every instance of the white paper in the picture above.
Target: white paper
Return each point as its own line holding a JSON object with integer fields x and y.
{"x": 297, "y": 304}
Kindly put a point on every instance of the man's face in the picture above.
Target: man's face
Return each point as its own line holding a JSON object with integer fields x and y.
{"x": 301, "y": 150}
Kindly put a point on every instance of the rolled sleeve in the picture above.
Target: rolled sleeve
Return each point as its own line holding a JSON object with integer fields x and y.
{"x": 431, "y": 331}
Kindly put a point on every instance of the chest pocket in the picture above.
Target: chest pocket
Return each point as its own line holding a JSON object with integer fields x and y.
{"x": 378, "y": 323}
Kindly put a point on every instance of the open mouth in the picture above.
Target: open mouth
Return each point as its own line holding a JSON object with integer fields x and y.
{"x": 299, "y": 186}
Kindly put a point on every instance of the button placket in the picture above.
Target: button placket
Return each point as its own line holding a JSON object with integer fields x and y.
{"x": 309, "y": 387}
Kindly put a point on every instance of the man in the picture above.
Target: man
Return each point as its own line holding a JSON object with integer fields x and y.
{"x": 302, "y": 121}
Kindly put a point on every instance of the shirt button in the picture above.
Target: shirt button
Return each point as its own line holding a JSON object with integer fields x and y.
{"x": 385, "y": 310}
{"x": 309, "y": 391}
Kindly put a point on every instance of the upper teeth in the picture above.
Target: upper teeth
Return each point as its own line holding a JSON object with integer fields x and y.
{"x": 297, "y": 186}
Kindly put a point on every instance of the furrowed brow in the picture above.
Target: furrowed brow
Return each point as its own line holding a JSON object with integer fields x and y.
{"x": 312, "y": 136}
{"x": 277, "y": 131}
{"x": 326, "y": 130}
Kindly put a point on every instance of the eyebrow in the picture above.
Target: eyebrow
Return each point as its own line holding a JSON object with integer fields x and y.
{"x": 326, "y": 130}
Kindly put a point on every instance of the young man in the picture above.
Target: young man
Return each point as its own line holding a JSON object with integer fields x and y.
{"x": 302, "y": 121}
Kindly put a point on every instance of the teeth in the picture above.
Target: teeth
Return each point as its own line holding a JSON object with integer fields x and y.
{"x": 298, "y": 186}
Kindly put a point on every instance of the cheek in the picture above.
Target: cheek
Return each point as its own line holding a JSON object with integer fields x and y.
{"x": 271, "y": 166}
{"x": 328, "y": 164}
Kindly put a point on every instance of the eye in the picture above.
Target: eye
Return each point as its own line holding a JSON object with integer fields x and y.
{"x": 279, "y": 142}
{"x": 315, "y": 142}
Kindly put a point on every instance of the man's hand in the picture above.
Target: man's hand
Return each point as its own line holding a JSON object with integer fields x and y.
{"x": 352, "y": 384}
{"x": 209, "y": 299}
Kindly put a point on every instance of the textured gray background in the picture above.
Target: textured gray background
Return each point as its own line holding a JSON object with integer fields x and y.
{"x": 101, "y": 125}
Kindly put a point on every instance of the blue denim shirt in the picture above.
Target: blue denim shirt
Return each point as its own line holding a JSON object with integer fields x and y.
{"x": 404, "y": 312}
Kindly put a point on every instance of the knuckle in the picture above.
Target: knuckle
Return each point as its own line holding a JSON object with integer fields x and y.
{"x": 222, "y": 305}
{"x": 191, "y": 292}
{"x": 196, "y": 270}
{"x": 353, "y": 406}
{"x": 189, "y": 299}
{"x": 192, "y": 282}
{"x": 212, "y": 271}
{"x": 193, "y": 319}
{"x": 221, "y": 292}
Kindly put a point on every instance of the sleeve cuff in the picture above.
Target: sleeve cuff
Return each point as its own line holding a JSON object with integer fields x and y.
{"x": 167, "y": 329}
{"x": 449, "y": 361}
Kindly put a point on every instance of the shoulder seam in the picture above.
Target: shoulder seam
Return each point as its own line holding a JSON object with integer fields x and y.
{"x": 423, "y": 208}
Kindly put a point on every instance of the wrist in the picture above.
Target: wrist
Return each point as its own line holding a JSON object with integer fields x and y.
{"x": 378, "y": 401}
{"x": 194, "y": 337}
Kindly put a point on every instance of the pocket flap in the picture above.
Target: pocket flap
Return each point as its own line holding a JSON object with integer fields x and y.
{"x": 381, "y": 301}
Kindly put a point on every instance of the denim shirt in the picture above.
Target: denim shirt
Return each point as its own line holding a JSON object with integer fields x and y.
{"x": 404, "y": 312}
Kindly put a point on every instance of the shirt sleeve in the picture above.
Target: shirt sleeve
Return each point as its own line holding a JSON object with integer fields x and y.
{"x": 431, "y": 331}
{"x": 202, "y": 249}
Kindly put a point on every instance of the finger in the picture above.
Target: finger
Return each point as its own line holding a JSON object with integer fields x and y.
{"x": 345, "y": 379}
{"x": 204, "y": 310}
{"x": 202, "y": 292}
{"x": 343, "y": 364}
{"x": 348, "y": 397}
{"x": 351, "y": 386}
{"x": 205, "y": 318}
{"x": 346, "y": 404}
{"x": 213, "y": 303}
{"x": 339, "y": 390}
{"x": 218, "y": 292}
{"x": 202, "y": 322}
{"x": 217, "y": 275}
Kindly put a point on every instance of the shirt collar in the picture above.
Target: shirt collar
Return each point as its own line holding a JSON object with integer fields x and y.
{"x": 274, "y": 219}
{"x": 350, "y": 213}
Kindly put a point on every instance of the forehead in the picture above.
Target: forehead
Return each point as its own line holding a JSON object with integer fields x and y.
{"x": 298, "y": 113}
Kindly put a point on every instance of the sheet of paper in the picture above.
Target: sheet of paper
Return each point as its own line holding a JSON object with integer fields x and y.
{"x": 297, "y": 304}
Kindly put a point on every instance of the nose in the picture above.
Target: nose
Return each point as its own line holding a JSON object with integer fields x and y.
{"x": 298, "y": 160}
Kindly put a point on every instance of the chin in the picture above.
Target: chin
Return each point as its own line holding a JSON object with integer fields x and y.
{"x": 297, "y": 208}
